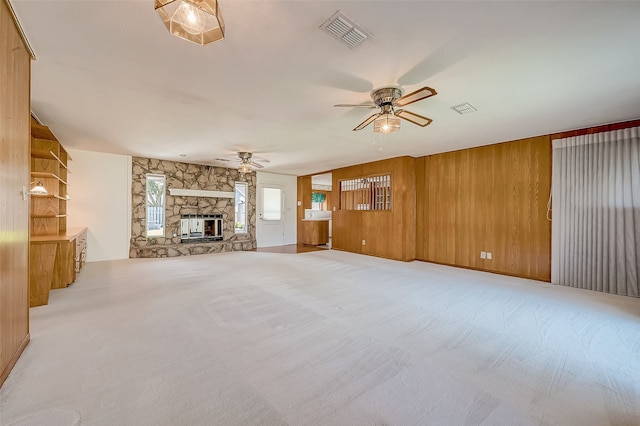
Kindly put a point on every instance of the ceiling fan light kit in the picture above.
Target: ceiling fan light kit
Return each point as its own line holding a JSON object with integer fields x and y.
{"x": 388, "y": 99}
{"x": 198, "y": 21}
{"x": 247, "y": 162}
{"x": 386, "y": 123}
{"x": 244, "y": 168}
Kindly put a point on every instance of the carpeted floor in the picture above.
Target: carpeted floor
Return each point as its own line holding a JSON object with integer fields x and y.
{"x": 323, "y": 338}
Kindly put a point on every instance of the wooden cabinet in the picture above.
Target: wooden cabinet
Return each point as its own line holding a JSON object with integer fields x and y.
{"x": 55, "y": 262}
{"x": 315, "y": 232}
{"x": 15, "y": 66}
{"x": 57, "y": 253}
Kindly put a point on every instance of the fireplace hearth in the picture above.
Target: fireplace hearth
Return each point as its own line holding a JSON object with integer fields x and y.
{"x": 196, "y": 228}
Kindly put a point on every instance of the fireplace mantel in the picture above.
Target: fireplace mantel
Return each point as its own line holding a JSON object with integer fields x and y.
{"x": 201, "y": 193}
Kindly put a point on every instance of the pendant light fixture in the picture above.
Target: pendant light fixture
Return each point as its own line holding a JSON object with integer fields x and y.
{"x": 386, "y": 123}
{"x": 244, "y": 168}
{"x": 39, "y": 189}
{"x": 198, "y": 21}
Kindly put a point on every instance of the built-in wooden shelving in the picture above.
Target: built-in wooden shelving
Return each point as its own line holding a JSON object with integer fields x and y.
{"x": 49, "y": 165}
{"x": 57, "y": 253}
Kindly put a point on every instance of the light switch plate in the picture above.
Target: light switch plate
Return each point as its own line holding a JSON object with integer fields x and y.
{"x": 483, "y": 255}
{"x": 489, "y": 255}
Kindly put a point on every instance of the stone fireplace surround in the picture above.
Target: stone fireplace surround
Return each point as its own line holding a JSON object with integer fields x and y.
{"x": 189, "y": 176}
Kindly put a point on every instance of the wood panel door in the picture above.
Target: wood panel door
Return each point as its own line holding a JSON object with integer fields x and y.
{"x": 303, "y": 202}
{"x": 15, "y": 63}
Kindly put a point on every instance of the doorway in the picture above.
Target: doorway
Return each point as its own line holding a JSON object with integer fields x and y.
{"x": 270, "y": 201}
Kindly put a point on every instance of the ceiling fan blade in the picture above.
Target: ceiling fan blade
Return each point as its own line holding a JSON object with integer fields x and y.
{"x": 416, "y": 96}
{"x": 366, "y": 122}
{"x": 260, "y": 159}
{"x": 413, "y": 118}
{"x": 256, "y": 165}
{"x": 370, "y": 105}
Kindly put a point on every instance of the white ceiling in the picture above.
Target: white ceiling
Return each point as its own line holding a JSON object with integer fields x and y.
{"x": 110, "y": 78}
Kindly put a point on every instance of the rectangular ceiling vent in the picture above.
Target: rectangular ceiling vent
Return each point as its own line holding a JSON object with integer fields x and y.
{"x": 345, "y": 30}
{"x": 465, "y": 108}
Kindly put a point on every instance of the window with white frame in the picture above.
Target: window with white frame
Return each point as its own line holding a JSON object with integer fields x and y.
{"x": 155, "y": 205}
{"x": 240, "y": 204}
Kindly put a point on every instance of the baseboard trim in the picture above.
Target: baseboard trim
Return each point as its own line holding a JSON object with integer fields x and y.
{"x": 546, "y": 280}
{"x": 14, "y": 359}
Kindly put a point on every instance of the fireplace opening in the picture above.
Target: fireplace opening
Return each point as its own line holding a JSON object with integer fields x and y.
{"x": 200, "y": 228}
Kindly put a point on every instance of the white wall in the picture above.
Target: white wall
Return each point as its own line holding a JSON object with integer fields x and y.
{"x": 290, "y": 185}
{"x": 100, "y": 190}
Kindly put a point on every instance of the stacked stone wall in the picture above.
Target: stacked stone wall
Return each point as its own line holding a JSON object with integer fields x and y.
{"x": 189, "y": 176}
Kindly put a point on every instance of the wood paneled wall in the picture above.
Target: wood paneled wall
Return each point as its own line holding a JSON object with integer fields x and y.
{"x": 304, "y": 202}
{"x": 390, "y": 234}
{"x": 15, "y": 66}
{"x": 493, "y": 199}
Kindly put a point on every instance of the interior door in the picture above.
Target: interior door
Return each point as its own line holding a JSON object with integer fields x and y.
{"x": 271, "y": 215}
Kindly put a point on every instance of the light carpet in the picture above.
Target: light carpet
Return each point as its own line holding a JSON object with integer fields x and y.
{"x": 323, "y": 338}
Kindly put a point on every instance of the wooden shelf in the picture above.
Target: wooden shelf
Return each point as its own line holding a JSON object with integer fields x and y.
{"x": 47, "y": 155}
{"x": 42, "y": 132}
{"x": 47, "y": 175}
{"x": 59, "y": 161}
{"x": 49, "y": 164}
{"x": 50, "y": 196}
{"x": 42, "y": 153}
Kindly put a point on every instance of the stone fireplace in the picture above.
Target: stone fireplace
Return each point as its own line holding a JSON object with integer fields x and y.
{"x": 201, "y": 228}
{"x": 194, "y": 223}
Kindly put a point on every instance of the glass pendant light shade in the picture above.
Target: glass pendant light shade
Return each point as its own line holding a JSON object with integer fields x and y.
{"x": 39, "y": 189}
{"x": 386, "y": 123}
{"x": 190, "y": 18}
{"x": 198, "y": 21}
{"x": 244, "y": 168}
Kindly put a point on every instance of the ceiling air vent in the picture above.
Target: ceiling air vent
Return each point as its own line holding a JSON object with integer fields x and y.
{"x": 465, "y": 108}
{"x": 345, "y": 30}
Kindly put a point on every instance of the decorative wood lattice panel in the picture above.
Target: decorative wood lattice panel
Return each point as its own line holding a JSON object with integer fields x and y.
{"x": 367, "y": 193}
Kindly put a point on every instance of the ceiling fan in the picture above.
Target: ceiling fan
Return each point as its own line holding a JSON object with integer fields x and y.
{"x": 390, "y": 100}
{"x": 246, "y": 160}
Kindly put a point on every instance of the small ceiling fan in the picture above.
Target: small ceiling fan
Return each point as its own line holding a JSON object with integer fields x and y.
{"x": 390, "y": 100}
{"x": 246, "y": 160}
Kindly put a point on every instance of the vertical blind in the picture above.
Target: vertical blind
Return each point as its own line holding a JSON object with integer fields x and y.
{"x": 596, "y": 212}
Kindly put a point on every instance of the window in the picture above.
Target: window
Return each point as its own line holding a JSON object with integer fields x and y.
{"x": 369, "y": 193}
{"x": 240, "y": 204}
{"x": 155, "y": 205}
{"x": 271, "y": 203}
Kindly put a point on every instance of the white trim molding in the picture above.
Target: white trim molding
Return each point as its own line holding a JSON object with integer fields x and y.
{"x": 201, "y": 193}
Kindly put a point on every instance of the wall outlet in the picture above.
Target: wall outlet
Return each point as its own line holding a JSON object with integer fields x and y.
{"x": 483, "y": 255}
{"x": 299, "y": 203}
{"x": 364, "y": 242}
{"x": 489, "y": 255}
